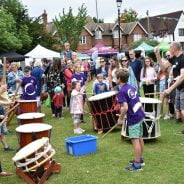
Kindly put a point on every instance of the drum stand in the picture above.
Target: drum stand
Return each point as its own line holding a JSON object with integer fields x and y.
{"x": 34, "y": 177}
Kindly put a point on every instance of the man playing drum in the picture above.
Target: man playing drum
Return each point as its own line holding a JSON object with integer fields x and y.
{"x": 178, "y": 72}
{"x": 131, "y": 106}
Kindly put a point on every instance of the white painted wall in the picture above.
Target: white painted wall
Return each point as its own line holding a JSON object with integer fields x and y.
{"x": 176, "y": 32}
{"x": 168, "y": 38}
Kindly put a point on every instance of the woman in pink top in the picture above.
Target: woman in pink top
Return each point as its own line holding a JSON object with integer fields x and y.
{"x": 148, "y": 77}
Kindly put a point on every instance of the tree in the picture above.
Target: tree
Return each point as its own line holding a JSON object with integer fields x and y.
{"x": 8, "y": 39}
{"x": 98, "y": 21}
{"x": 39, "y": 35}
{"x": 129, "y": 16}
{"x": 70, "y": 27}
{"x": 21, "y": 18}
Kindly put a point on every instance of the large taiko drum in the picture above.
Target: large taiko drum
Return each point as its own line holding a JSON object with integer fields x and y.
{"x": 28, "y": 106}
{"x": 33, "y": 117}
{"x": 29, "y": 132}
{"x": 34, "y": 155}
{"x": 103, "y": 108}
{"x": 151, "y": 125}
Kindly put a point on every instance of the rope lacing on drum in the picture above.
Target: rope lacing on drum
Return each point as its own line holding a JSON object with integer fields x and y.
{"x": 110, "y": 110}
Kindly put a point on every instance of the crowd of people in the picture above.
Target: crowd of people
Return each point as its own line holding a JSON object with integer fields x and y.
{"x": 65, "y": 81}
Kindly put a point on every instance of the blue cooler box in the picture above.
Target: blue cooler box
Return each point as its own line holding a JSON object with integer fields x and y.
{"x": 81, "y": 145}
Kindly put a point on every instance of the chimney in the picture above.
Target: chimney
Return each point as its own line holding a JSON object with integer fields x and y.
{"x": 44, "y": 18}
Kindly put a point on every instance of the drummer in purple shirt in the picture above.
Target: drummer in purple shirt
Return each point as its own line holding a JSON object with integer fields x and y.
{"x": 131, "y": 106}
{"x": 29, "y": 85}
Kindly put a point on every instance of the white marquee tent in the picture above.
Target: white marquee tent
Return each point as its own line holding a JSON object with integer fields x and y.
{"x": 41, "y": 52}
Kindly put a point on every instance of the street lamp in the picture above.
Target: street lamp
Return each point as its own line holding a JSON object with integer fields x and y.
{"x": 119, "y": 2}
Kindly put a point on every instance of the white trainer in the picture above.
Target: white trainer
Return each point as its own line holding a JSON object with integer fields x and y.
{"x": 82, "y": 130}
{"x": 77, "y": 131}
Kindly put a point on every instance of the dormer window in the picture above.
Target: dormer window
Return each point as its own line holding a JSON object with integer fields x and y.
{"x": 116, "y": 34}
{"x": 98, "y": 34}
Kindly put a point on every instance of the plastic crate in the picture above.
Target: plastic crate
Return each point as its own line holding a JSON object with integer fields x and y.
{"x": 81, "y": 145}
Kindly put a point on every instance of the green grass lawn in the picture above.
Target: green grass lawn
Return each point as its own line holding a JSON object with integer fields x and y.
{"x": 163, "y": 157}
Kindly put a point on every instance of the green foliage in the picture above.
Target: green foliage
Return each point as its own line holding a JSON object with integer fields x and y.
{"x": 20, "y": 16}
{"x": 8, "y": 38}
{"x": 69, "y": 27}
{"x": 27, "y": 32}
{"x": 151, "y": 42}
{"x": 39, "y": 35}
{"x": 129, "y": 16}
{"x": 98, "y": 21}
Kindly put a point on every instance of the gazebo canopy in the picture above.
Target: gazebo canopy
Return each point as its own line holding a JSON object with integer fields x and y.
{"x": 145, "y": 47}
{"x": 101, "y": 49}
{"x": 42, "y": 52}
{"x": 163, "y": 46}
{"x": 12, "y": 56}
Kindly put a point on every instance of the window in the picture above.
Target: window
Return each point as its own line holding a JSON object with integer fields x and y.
{"x": 116, "y": 34}
{"x": 181, "y": 32}
{"x": 98, "y": 34}
{"x": 162, "y": 33}
{"x": 182, "y": 45}
{"x": 83, "y": 40}
{"x": 137, "y": 37}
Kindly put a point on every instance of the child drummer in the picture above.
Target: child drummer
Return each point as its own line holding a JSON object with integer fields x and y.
{"x": 130, "y": 104}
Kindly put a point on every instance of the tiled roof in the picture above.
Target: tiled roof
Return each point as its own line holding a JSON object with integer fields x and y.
{"x": 162, "y": 22}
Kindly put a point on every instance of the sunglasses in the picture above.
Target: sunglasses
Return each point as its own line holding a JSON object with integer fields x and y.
{"x": 124, "y": 60}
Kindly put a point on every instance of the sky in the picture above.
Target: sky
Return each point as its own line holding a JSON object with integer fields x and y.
{"x": 107, "y": 9}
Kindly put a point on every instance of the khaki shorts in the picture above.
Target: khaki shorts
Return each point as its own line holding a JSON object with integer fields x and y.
{"x": 179, "y": 99}
{"x": 136, "y": 131}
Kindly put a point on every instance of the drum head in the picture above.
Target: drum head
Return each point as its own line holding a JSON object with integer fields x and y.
{"x": 30, "y": 149}
{"x": 27, "y": 101}
{"x": 149, "y": 100}
{"x": 30, "y": 115}
{"x": 33, "y": 127}
{"x": 103, "y": 96}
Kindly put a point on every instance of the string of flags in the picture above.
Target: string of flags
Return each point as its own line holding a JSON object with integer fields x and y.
{"x": 168, "y": 18}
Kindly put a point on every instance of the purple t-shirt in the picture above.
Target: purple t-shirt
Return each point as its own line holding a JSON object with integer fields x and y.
{"x": 29, "y": 88}
{"x": 129, "y": 95}
{"x": 78, "y": 77}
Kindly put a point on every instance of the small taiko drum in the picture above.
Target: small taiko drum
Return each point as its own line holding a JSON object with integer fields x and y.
{"x": 33, "y": 117}
{"x": 103, "y": 108}
{"x": 34, "y": 155}
{"x": 30, "y": 132}
{"x": 28, "y": 106}
{"x": 151, "y": 125}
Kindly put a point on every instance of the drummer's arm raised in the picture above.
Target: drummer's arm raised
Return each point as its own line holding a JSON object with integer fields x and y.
{"x": 163, "y": 65}
{"x": 123, "y": 111}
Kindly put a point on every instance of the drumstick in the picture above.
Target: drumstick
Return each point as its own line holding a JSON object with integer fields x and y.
{"x": 155, "y": 93}
{"x": 19, "y": 85}
{"x": 3, "y": 121}
{"x": 111, "y": 129}
{"x": 6, "y": 116}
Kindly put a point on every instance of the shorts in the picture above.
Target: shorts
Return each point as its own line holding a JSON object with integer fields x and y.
{"x": 3, "y": 129}
{"x": 179, "y": 99}
{"x": 162, "y": 85}
{"x": 76, "y": 118}
{"x": 136, "y": 131}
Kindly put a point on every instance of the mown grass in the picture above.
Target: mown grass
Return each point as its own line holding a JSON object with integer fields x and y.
{"x": 163, "y": 157}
